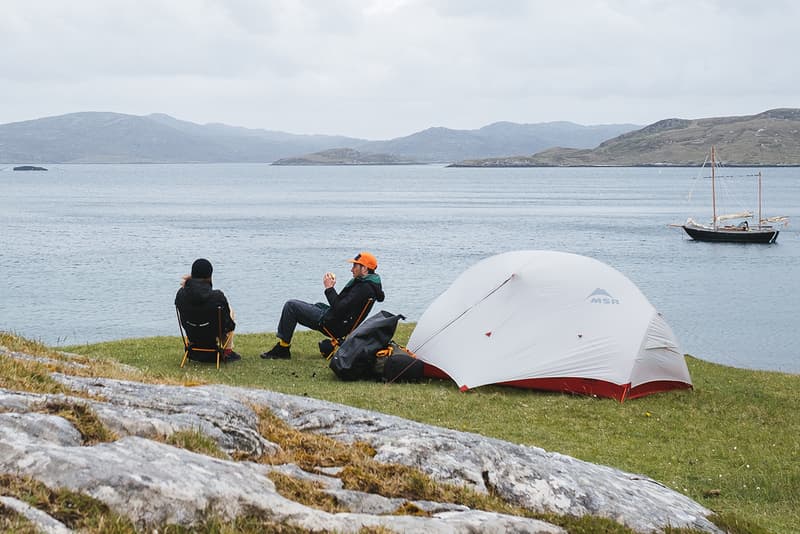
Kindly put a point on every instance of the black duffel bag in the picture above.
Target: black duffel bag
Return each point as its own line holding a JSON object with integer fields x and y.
{"x": 355, "y": 358}
{"x": 401, "y": 365}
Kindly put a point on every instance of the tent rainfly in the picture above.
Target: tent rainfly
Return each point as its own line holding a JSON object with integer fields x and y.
{"x": 553, "y": 321}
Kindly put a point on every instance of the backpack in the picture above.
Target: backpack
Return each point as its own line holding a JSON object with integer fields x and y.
{"x": 355, "y": 358}
{"x": 397, "y": 363}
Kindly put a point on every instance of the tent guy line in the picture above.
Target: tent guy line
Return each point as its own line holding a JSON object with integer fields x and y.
{"x": 462, "y": 314}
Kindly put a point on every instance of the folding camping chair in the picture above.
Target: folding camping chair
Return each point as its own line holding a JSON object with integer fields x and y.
{"x": 327, "y": 347}
{"x": 202, "y": 336}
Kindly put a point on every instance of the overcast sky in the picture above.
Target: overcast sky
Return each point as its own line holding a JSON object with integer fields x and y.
{"x": 379, "y": 69}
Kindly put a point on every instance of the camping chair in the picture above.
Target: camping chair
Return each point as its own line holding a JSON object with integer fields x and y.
{"x": 203, "y": 336}
{"x": 332, "y": 343}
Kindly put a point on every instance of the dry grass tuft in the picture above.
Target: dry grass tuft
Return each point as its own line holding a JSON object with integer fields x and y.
{"x": 28, "y": 346}
{"x": 76, "y": 510}
{"x": 83, "y": 419}
{"x": 30, "y": 376}
{"x": 11, "y": 521}
{"x": 34, "y": 376}
{"x": 306, "y": 492}
{"x": 409, "y": 508}
{"x": 309, "y": 451}
{"x": 360, "y": 472}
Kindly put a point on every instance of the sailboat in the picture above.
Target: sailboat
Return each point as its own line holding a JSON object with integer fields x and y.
{"x": 732, "y": 232}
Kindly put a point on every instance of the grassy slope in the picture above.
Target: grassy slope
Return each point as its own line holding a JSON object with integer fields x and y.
{"x": 733, "y": 443}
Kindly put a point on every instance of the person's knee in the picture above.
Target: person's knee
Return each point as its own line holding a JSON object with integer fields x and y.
{"x": 291, "y": 306}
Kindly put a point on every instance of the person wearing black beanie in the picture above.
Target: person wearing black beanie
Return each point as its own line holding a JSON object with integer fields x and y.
{"x": 202, "y": 268}
{"x": 197, "y": 298}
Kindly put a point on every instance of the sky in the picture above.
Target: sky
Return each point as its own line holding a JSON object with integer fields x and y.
{"x": 380, "y": 69}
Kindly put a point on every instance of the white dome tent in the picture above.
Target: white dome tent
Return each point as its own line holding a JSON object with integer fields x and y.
{"x": 549, "y": 320}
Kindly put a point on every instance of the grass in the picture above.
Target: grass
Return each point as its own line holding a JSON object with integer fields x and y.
{"x": 194, "y": 440}
{"x": 76, "y": 510}
{"x": 360, "y": 472}
{"x": 84, "y": 419}
{"x": 91, "y": 516}
{"x": 733, "y": 443}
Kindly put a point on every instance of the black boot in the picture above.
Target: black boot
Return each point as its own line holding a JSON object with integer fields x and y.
{"x": 231, "y": 356}
{"x": 277, "y": 352}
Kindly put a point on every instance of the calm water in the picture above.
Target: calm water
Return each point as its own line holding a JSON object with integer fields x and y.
{"x": 95, "y": 252}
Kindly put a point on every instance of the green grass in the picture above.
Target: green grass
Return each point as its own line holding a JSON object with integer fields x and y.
{"x": 733, "y": 443}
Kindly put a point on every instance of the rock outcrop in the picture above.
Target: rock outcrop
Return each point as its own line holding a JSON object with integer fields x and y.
{"x": 153, "y": 483}
{"x": 29, "y": 168}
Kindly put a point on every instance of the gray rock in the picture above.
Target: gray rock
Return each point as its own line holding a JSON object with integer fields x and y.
{"x": 37, "y": 427}
{"x": 155, "y": 484}
{"x": 153, "y": 410}
{"x": 526, "y": 476}
{"x": 43, "y": 522}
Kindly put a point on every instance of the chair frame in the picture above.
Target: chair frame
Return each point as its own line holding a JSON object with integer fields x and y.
{"x": 336, "y": 341}
{"x": 219, "y": 347}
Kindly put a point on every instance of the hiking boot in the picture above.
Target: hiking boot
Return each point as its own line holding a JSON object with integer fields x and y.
{"x": 277, "y": 353}
{"x": 232, "y": 357}
{"x": 326, "y": 348}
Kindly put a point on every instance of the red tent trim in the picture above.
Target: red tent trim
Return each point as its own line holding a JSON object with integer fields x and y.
{"x": 581, "y": 386}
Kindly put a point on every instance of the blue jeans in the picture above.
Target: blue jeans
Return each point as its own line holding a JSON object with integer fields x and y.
{"x": 297, "y": 311}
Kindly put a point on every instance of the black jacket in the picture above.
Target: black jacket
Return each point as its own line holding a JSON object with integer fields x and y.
{"x": 197, "y": 302}
{"x": 346, "y": 306}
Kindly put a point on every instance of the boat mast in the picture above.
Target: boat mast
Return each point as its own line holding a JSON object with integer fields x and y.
{"x": 759, "y": 199}
{"x": 713, "y": 188}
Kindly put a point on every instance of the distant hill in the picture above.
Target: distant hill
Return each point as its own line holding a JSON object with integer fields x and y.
{"x": 443, "y": 145}
{"x": 343, "y": 156}
{"x": 100, "y": 137}
{"x": 103, "y": 137}
{"x": 771, "y": 138}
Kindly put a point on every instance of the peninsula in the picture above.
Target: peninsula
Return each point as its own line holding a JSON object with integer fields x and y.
{"x": 768, "y": 139}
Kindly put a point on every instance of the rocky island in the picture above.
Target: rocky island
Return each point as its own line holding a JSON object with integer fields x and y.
{"x": 344, "y": 156}
{"x": 29, "y": 168}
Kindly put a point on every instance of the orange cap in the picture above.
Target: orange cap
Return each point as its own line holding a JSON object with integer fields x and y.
{"x": 366, "y": 259}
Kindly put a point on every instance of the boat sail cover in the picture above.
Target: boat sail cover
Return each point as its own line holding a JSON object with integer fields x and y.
{"x": 549, "y": 320}
{"x": 729, "y": 216}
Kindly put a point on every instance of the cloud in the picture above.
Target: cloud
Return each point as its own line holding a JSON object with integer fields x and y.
{"x": 385, "y": 68}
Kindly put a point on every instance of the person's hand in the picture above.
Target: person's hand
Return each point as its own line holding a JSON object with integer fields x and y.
{"x": 184, "y": 278}
{"x": 329, "y": 280}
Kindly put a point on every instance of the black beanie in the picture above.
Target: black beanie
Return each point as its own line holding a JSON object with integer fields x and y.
{"x": 201, "y": 268}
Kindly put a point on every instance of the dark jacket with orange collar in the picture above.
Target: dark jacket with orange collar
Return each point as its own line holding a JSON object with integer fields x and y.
{"x": 347, "y": 305}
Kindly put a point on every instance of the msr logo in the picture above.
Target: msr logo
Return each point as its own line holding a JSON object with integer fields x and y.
{"x": 601, "y": 296}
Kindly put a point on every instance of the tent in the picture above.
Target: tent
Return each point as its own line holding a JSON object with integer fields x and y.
{"x": 549, "y": 320}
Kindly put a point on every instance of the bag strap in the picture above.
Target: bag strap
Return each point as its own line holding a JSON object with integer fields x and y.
{"x": 390, "y": 348}
{"x": 383, "y": 353}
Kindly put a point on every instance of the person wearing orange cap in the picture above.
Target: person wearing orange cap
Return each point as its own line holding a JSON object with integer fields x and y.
{"x": 341, "y": 311}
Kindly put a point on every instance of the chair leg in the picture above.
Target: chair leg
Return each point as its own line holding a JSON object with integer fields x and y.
{"x": 222, "y": 347}
{"x": 185, "y": 357}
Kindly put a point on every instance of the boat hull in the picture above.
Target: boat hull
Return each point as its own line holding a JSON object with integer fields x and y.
{"x": 756, "y": 235}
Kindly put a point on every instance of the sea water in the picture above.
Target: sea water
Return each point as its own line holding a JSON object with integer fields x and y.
{"x": 95, "y": 252}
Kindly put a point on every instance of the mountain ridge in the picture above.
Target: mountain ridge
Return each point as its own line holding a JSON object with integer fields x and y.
{"x": 770, "y": 138}
{"x": 108, "y": 137}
